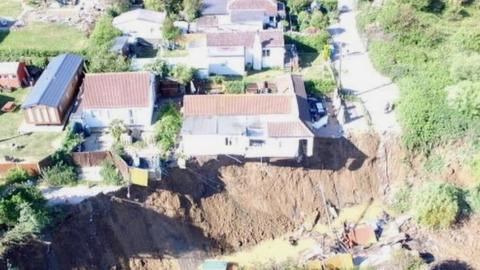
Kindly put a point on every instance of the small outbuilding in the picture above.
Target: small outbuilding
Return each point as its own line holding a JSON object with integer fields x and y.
{"x": 141, "y": 23}
{"x": 50, "y": 100}
{"x": 13, "y": 75}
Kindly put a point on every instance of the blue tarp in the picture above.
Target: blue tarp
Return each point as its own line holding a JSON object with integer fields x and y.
{"x": 214, "y": 265}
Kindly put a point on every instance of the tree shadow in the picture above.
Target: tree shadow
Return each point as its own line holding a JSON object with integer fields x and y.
{"x": 3, "y": 34}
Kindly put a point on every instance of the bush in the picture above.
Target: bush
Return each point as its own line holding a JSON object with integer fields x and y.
{"x": 168, "y": 127}
{"x": 475, "y": 167}
{"x": 402, "y": 197}
{"x": 110, "y": 174}
{"x": 437, "y": 205}
{"x": 17, "y": 176}
{"x": 320, "y": 86}
{"x": 217, "y": 79}
{"x": 60, "y": 174}
{"x": 158, "y": 67}
{"x": 101, "y": 60}
{"x": 104, "y": 32}
{"x": 71, "y": 140}
{"x": 14, "y": 196}
{"x": 473, "y": 199}
{"x": 183, "y": 73}
{"x": 465, "y": 98}
{"x": 310, "y": 43}
{"x": 234, "y": 87}
{"x": 465, "y": 67}
{"x": 319, "y": 20}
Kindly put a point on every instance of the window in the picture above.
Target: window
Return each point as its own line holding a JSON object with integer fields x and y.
{"x": 228, "y": 141}
{"x": 271, "y": 18}
{"x": 266, "y": 53}
{"x": 257, "y": 143}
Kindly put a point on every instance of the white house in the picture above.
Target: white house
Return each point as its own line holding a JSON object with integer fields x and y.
{"x": 127, "y": 96}
{"x": 249, "y": 125}
{"x": 141, "y": 23}
{"x": 240, "y": 15}
{"x": 230, "y": 53}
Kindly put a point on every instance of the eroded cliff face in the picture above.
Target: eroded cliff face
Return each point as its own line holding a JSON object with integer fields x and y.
{"x": 214, "y": 207}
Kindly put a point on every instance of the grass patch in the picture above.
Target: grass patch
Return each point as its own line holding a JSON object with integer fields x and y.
{"x": 175, "y": 53}
{"x": 263, "y": 75}
{"x": 32, "y": 147}
{"x": 10, "y": 8}
{"x": 44, "y": 36}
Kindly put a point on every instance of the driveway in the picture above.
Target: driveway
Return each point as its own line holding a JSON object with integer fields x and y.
{"x": 358, "y": 76}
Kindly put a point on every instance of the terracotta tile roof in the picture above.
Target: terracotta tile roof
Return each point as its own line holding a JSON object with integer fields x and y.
{"x": 116, "y": 90}
{"x": 270, "y": 38}
{"x": 270, "y": 6}
{"x": 240, "y": 105}
{"x": 288, "y": 129}
{"x": 207, "y": 21}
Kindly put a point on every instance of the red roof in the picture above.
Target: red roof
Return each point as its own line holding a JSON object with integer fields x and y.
{"x": 270, "y": 38}
{"x": 116, "y": 90}
{"x": 270, "y": 6}
{"x": 232, "y": 105}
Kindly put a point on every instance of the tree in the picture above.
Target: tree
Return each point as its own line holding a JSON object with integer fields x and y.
{"x": 298, "y": 5}
{"x": 169, "y": 31}
{"x": 104, "y": 32}
{"x": 168, "y": 127}
{"x": 191, "y": 9}
{"x": 158, "y": 67}
{"x": 318, "y": 20}
{"x": 117, "y": 128}
{"x": 103, "y": 61}
{"x": 303, "y": 19}
{"x": 183, "y": 73}
{"x": 156, "y": 5}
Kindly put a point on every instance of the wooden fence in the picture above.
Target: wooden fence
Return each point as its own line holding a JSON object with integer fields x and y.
{"x": 93, "y": 159}
{"x": 34, "y": 168}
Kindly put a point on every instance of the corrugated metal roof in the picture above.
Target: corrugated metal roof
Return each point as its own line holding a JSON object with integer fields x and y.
{"x": 54, "y": 81}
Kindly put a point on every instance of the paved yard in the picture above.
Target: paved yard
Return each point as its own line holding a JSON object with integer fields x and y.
{"x": 360, "y": 77}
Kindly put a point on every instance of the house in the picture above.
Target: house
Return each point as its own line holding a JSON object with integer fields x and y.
{"x": 126, "y": 96}
{"x": 141, "y": 23}
{"x": 50, "y": 100}
{"x": 231, "y": 53}
{"x": 221, "y": 15}
{"x": 251, "y": 125}
{"x": 13, "y": 75}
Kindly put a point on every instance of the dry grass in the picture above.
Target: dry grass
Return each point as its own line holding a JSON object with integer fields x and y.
{"x": 10, "y": 8}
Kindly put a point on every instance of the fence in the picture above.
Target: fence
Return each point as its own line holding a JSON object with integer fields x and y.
{"x": 93, "y": 159}
{"x": 33, "y": 168}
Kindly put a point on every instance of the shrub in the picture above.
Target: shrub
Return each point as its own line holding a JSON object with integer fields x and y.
{"x": 473, "y": 199}
{"x": 465, "y": 98}
{"x": 319, "y": 20}
{"x": 16, "y": 195}
{"x": 110, "y": 173}
{"x": 437, "y": 205}
{"x": 465, "y": 67}
{"x": 168, "y": 127}
{"x": 217, "y": 79}
{"x": 17, "y": 176}
{"x": 467, "y": 36}
{"x": 321, "y": 86}
{"x": 101, "y": 60}
{"x": 71, "y": 140}
{"x": 60, "y": 174}
{"x": 158, "y": 67}
{"x": 234, "y": 87}
{"x": 402, "y": 197}
{"x": 104, "y": 32}
{"x": 475, "y": 167}
{"x": 183, "y": 73}
{"x": 310, "y": 43}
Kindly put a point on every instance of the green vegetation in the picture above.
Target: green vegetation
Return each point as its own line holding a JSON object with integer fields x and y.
{"x": 10, "y": 8}
{"x": 169, "y": 31}
{"x": 473, "y": 199}
{"x": 99, "y": 58}
{"x": 168, "y": 127}
{"x": 402, "y": 197}
{"x": 16, "y": 176}
{"x": 437, "y": 205}
{"x": 432, "y": 52}
{"x": 44, "y": 37}
{"x": 321, "y": 86}
{"x": 234, "y": 86}
{"x": 182, "y": 73}
{"x": 110, "y": 174}
{"x": 60, "y": 174}
{"x": 191, "y": 9}
{"x": 158, "y": 67}
{"x": 475, "y": 167}
{"x": 23, "y": 213}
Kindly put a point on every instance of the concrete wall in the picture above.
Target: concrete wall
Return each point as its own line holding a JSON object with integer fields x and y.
{"x": 276, "y": 58}
{"x": 234, "y": 65}
{"x": 101, "y": 118}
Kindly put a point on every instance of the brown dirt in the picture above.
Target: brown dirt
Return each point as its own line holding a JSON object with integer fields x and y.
{"x": 212, "y": 208}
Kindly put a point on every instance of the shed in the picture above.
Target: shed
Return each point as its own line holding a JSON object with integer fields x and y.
{"x": 50, "y": 100}
{"x": 13, "y": 75}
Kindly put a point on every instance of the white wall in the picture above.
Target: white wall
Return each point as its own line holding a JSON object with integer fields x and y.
{"x": 101, "y": 118}
{"x": 275, "y": 60}
{"x": 233, "y": 65}
{"x": 206, "y": 145}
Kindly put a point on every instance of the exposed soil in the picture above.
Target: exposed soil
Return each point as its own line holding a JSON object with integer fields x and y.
{"x": 212, "y": 208}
